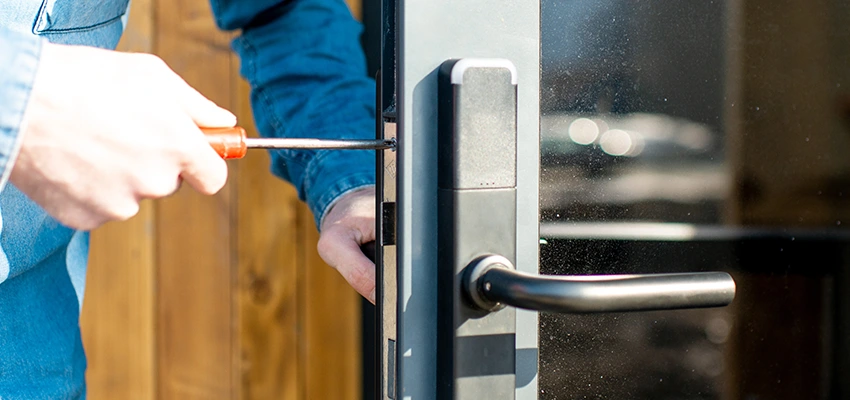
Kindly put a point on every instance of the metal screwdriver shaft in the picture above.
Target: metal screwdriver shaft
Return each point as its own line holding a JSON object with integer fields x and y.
{"x": 338, "y": 144}
{"x": 233, "y": 142}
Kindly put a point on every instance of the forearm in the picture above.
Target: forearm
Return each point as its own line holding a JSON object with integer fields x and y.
{"x": 19, "y": 60}
{"x": 308, "y": 79}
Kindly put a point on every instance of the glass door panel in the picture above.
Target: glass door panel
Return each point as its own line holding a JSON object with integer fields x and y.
{"x": 698, "y": 136}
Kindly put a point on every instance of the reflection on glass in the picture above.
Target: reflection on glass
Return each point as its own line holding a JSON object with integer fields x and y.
{"x": 631, "y": 125}
{"x": 698, "y": 136}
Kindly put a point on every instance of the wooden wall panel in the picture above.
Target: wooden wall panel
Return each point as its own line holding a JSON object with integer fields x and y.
{"x": 356, "y": 7}
{"x": 195, "y": 233}
{"x": 332, "y": 335}
{"x": 267, "y": 296}
{"x": 118, "y": 316}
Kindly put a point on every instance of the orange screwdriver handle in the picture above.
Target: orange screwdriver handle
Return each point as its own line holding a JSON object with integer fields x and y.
{"x": 229, "y": 143}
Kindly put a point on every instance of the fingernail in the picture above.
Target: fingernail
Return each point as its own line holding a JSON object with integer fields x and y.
{"x": 372, "y": 296}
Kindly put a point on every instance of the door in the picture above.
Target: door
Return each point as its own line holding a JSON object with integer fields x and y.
{"x": 699, "y": 140}
{"x": 693, "y": 137}
{"x": 418, "y": 38}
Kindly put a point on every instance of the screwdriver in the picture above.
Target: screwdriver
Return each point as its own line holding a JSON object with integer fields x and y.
{"x": 232, "y": 143}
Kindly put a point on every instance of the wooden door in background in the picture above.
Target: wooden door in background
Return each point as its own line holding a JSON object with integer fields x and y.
{"x": 219, "y": 297}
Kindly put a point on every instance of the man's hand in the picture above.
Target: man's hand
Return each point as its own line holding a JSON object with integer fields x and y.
{"x": 349, "y": 224}
{"x": 104, "y": 130}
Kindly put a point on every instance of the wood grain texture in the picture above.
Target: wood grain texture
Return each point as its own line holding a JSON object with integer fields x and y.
{"x": 331, "y": 311}
{"x": 195, "y": 241}
{"x": 140, "y": 33}
{"x": 356, "y": 7}
{"x": 118, "y": 316}
{"x": 267, "y": 300}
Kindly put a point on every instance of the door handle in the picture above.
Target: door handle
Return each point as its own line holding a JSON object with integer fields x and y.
{"x": 491, "y": 283}
{"x": 477, "y": 237}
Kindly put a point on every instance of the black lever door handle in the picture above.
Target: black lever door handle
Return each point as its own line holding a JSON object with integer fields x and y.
{"x": 491, "y": 283}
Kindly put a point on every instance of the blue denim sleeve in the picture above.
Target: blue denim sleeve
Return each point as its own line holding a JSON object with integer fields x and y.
{"x": 308, "y": 79}
{"x": 19, "y": 55}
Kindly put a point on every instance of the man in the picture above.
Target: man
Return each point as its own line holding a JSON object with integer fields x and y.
{"x": 86, "y": 133}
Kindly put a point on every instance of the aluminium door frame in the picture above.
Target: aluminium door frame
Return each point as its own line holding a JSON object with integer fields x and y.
{"x": 430, "y": 32}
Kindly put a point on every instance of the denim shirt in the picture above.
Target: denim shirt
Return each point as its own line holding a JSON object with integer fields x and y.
{"x": 307, "y": 74}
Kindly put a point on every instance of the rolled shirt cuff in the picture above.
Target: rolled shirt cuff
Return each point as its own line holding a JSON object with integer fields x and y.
{"x": 331, "y": 174}
{"x": 19, "y": 60}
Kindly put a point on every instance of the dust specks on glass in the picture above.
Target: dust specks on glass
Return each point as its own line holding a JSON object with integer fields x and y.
{"x": 631, "y": 111}
{"x": 697, "y": 136}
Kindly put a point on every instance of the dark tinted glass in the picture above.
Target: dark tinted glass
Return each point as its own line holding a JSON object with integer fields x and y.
{"x": 698, "y": 136}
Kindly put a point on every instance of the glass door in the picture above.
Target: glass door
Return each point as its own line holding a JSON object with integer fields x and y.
{"x": 659, "y": 150}
{"x": 694, "y": 136}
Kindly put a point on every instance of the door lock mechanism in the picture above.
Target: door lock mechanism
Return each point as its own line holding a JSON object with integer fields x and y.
{"x": 477, "y": 227}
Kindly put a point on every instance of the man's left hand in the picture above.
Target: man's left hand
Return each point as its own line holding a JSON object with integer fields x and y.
{"x": 349, "y": 224}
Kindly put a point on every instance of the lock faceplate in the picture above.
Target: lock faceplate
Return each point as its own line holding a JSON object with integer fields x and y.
{"x": 477, "y": 217}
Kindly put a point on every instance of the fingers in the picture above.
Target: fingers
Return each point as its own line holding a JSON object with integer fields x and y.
{"x": 349, "y": 224}
{"x": 203, "y": 111}
{"x": 205, "y": 170}
{"x": 200, "y": 166}
{"x": 88, "y": 160}
{"x": 340, "y": 249}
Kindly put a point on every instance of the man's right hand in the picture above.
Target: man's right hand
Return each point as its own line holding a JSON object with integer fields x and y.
{"x": 104, "y": 130}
